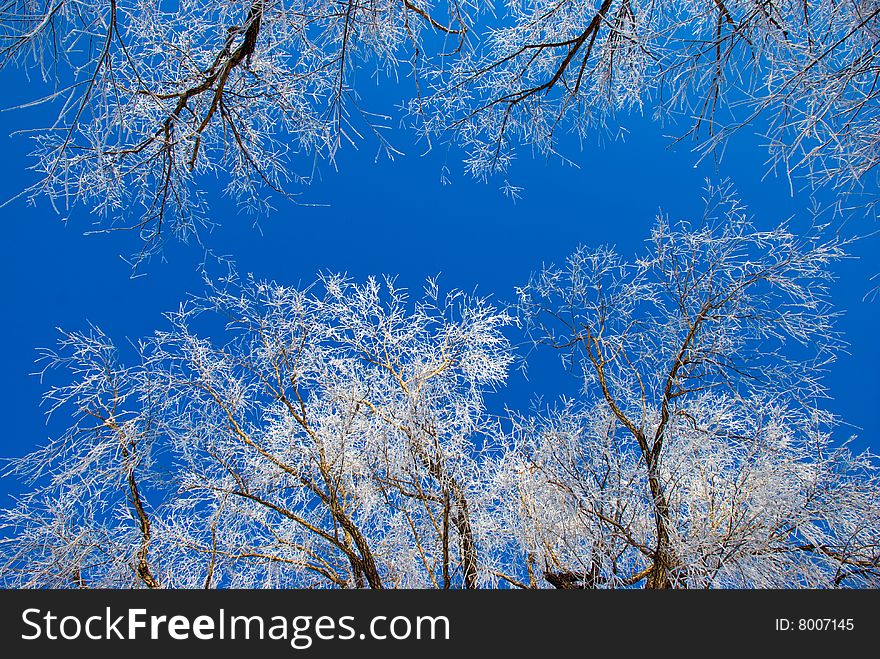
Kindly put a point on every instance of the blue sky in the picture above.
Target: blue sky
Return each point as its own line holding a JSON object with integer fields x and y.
{"x": 389, "y": 218}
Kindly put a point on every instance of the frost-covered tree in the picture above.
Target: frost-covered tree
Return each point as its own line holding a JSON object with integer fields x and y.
{"x": 340, "y": 435}
{"x": 751, "y": 494}
{"x": 154, "y": 98}
{"x": 330, "y": 438}
{"x": 697, "y": 456}
{"x": 806, "y": 70}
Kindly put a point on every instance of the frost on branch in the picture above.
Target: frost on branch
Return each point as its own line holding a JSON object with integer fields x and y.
{"x": 331, "y": 437}
{"x": 756, "y": 496}
{"x": 803, "y": 74}
{"x": 154, "y": 98}
{"x": 339, "y": 435}
{"x": 697, "y": 455}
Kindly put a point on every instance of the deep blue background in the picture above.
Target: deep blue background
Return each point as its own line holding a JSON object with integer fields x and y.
{"x": 388, "y": 218}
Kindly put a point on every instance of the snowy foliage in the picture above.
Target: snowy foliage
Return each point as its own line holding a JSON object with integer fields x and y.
{"x": 332, "y": 438}
{"x": 155, "y": 95}
{"x": 340, "y": 435}
{"x": 154, "y": 98}
{"x": 807, "y": 69}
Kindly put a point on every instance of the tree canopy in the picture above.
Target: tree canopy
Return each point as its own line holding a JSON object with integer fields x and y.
{"x": 152, "y": 97}
{"x": 346, "y": 435}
